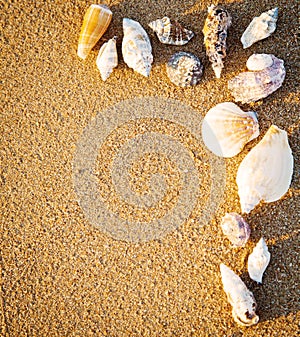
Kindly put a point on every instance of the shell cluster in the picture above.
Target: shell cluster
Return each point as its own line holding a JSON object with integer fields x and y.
{"x": 236, "y": 229}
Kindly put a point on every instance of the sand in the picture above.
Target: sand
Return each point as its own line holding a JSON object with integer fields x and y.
{"x": 64, "y": 274}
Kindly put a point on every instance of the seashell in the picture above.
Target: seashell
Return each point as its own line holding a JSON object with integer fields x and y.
{"x": 184, "y": 69}
{"x": 95, "y": 22}
{"x": 236, "y": 229}
{"x": 240, "y": 297}
{"x": 226, "y": 129}
{"x": 266, "y": 172}
{"x": 215, "y": 34}
{"x": 171, "y": 33}
{"x": 265, "y": 78}
{"x": 260, "y": 28}
{"x": 107, "y": 58}
{"x": 136, "y": 47}
{"x": 258, "y": 261}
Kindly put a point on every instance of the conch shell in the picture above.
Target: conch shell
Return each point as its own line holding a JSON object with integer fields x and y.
{"x": 171, "y": 33}
{"x": 258, "y": 261}
{"x": 260, "y": 28}
{"x": 107, "y": 58}
{"x": 136, "y": 47}
{"x": 266, "y": 172}
{"x": 236, "y": 229}
{"x": 226, "y": 129}
{"x": 215, "y": 34}
{"x": 96, "y": 20}
{"x": 241, "y": 299}
{"x": 267, "y": 75}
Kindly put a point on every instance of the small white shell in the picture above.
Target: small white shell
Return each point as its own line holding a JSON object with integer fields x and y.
{"x": 260, "y": 28}
{"x": 107, "y": 58}
{"x": 226, "y": 129}
{"x": 236, "y": 229}
{"x": 266, "y": 172}
{"x": 258, "y": 261}
{"x": 241, "y": 299}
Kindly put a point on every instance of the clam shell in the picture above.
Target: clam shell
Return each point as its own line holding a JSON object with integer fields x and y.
{"x": 215, "y": 33}
{"x": 260, "y": 28}
{"x": 184, "y": 69}
{"x": 266, "y": 172}
{"x": 236, "y": 229}
{"x": 136, "y": 47}
{"x": 171, "y": 33}
{"x": 254, "y": 85}
{"x": 107, "y": 58}
{"x": 241, "y": 299}
{"x": 226, "y": 129}
{"x": 96, "y": 20}
{"x": 258, "y": 261}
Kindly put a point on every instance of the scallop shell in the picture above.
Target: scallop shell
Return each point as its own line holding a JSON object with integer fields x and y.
{"x": 265, "y": 78}
{"x": 266, "y": 172}
{"x": 96, "y": 20}
{"x": 184, "y": 69}
{"x": 226, "y": 129}
{"x": 107, "y": 58}
{"x": 241, "y": 299}
{"x": 258, "y": 261}
{"x": 171, "y": 33}
{"x": 136, "y": 47}
{"x": 215, "y": 34}
{"x": 236, "y": 229}
{"x": 260, "y": 28}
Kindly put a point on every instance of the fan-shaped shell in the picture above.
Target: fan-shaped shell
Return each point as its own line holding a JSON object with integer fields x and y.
{"x": 266, "y": 172}
{"x": 226, "y": 129}
{"x": 96, "y": 20}
{"x": 107, "y": 58}
{"x": 236, "y": 229}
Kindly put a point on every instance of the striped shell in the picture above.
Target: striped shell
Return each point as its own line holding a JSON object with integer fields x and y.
{"x": 107, "y": 58}
{"x": 171, "y": 33}
{"x": 184, "y": 69}
{"x": 96, "y": 20}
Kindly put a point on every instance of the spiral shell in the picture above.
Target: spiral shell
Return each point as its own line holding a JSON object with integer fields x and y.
{"x": 107, "y": 58}
{"x": 184, "y": 69}
{"x": 171, "y": 33}
{"x": 236, "y": 229}
{"x": 226, "y": 129}
{"x": 96, "y": 20}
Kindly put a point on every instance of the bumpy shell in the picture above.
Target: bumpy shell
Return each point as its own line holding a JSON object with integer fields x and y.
{"x": 258, "y": 261}
{"x": 267, "y": 76}
{"x": 241, "y": 299}
{"x": 107, "y": 58}
{"x": 96, "y": 20}
{"x": 215, "y": 34}
{"x": 136, "y": 47}
{"x": 226, "y": 129}
{"x": 171, "y": 33}
{"x": 260, "y": 28}
{"x": 266, "y": 172}
{"x": 236, "y": 229}
{"x": 184, "y": 69}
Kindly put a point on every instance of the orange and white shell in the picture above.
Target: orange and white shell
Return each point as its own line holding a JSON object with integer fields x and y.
{"x": 107, "y": 58}
{"x": 96, "y": 20}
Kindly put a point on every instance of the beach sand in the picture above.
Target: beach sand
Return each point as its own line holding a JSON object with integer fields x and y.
{"x": 62, "y": 275}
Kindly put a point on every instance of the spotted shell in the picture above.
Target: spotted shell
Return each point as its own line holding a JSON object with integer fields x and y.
{"x": 107, "y": 58}
{"x": 236, "y": 229}
{"x": 184, "y": 69}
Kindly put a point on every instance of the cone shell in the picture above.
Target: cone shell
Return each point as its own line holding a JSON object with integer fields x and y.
{"x": 226, "y": 129}
{"x": 107, "y": 58}
{"x": 241, "y": 299}
{"x": 236, "y": 229}
{"x": 260, "y": 28}
{"x": 171, "y": 33}
{"x": 266, "y": 172}
{"x": 184, "y": 69}
{"x": 136, "y": 47}
{"x": 267, "y": 76}
{"x": 96, "y": 20}
{"x": 215, "y": 33}
{"x": 258, "y": 261}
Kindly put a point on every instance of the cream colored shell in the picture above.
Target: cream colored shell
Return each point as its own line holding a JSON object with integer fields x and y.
{"x": 258, "y": 261}
{"x": 107, "y": 58}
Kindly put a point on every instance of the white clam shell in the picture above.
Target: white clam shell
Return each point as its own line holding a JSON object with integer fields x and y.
{"x": 236, "y": 229}
{"x": 258, "y": 261}
{"x": 266, "y": 172}
{"x": 226, "y": 129}
{"x": 136, "y": 47}
{"x": 240, "y": 297}
{"x": 259, "y": 62}
{"x": 107, "y": 58}
{"x": 260, "y": 28}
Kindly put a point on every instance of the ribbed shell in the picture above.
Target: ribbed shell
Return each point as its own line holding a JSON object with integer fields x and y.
{"x": 107, "y": 58}
{"x": 236, "y": 229}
